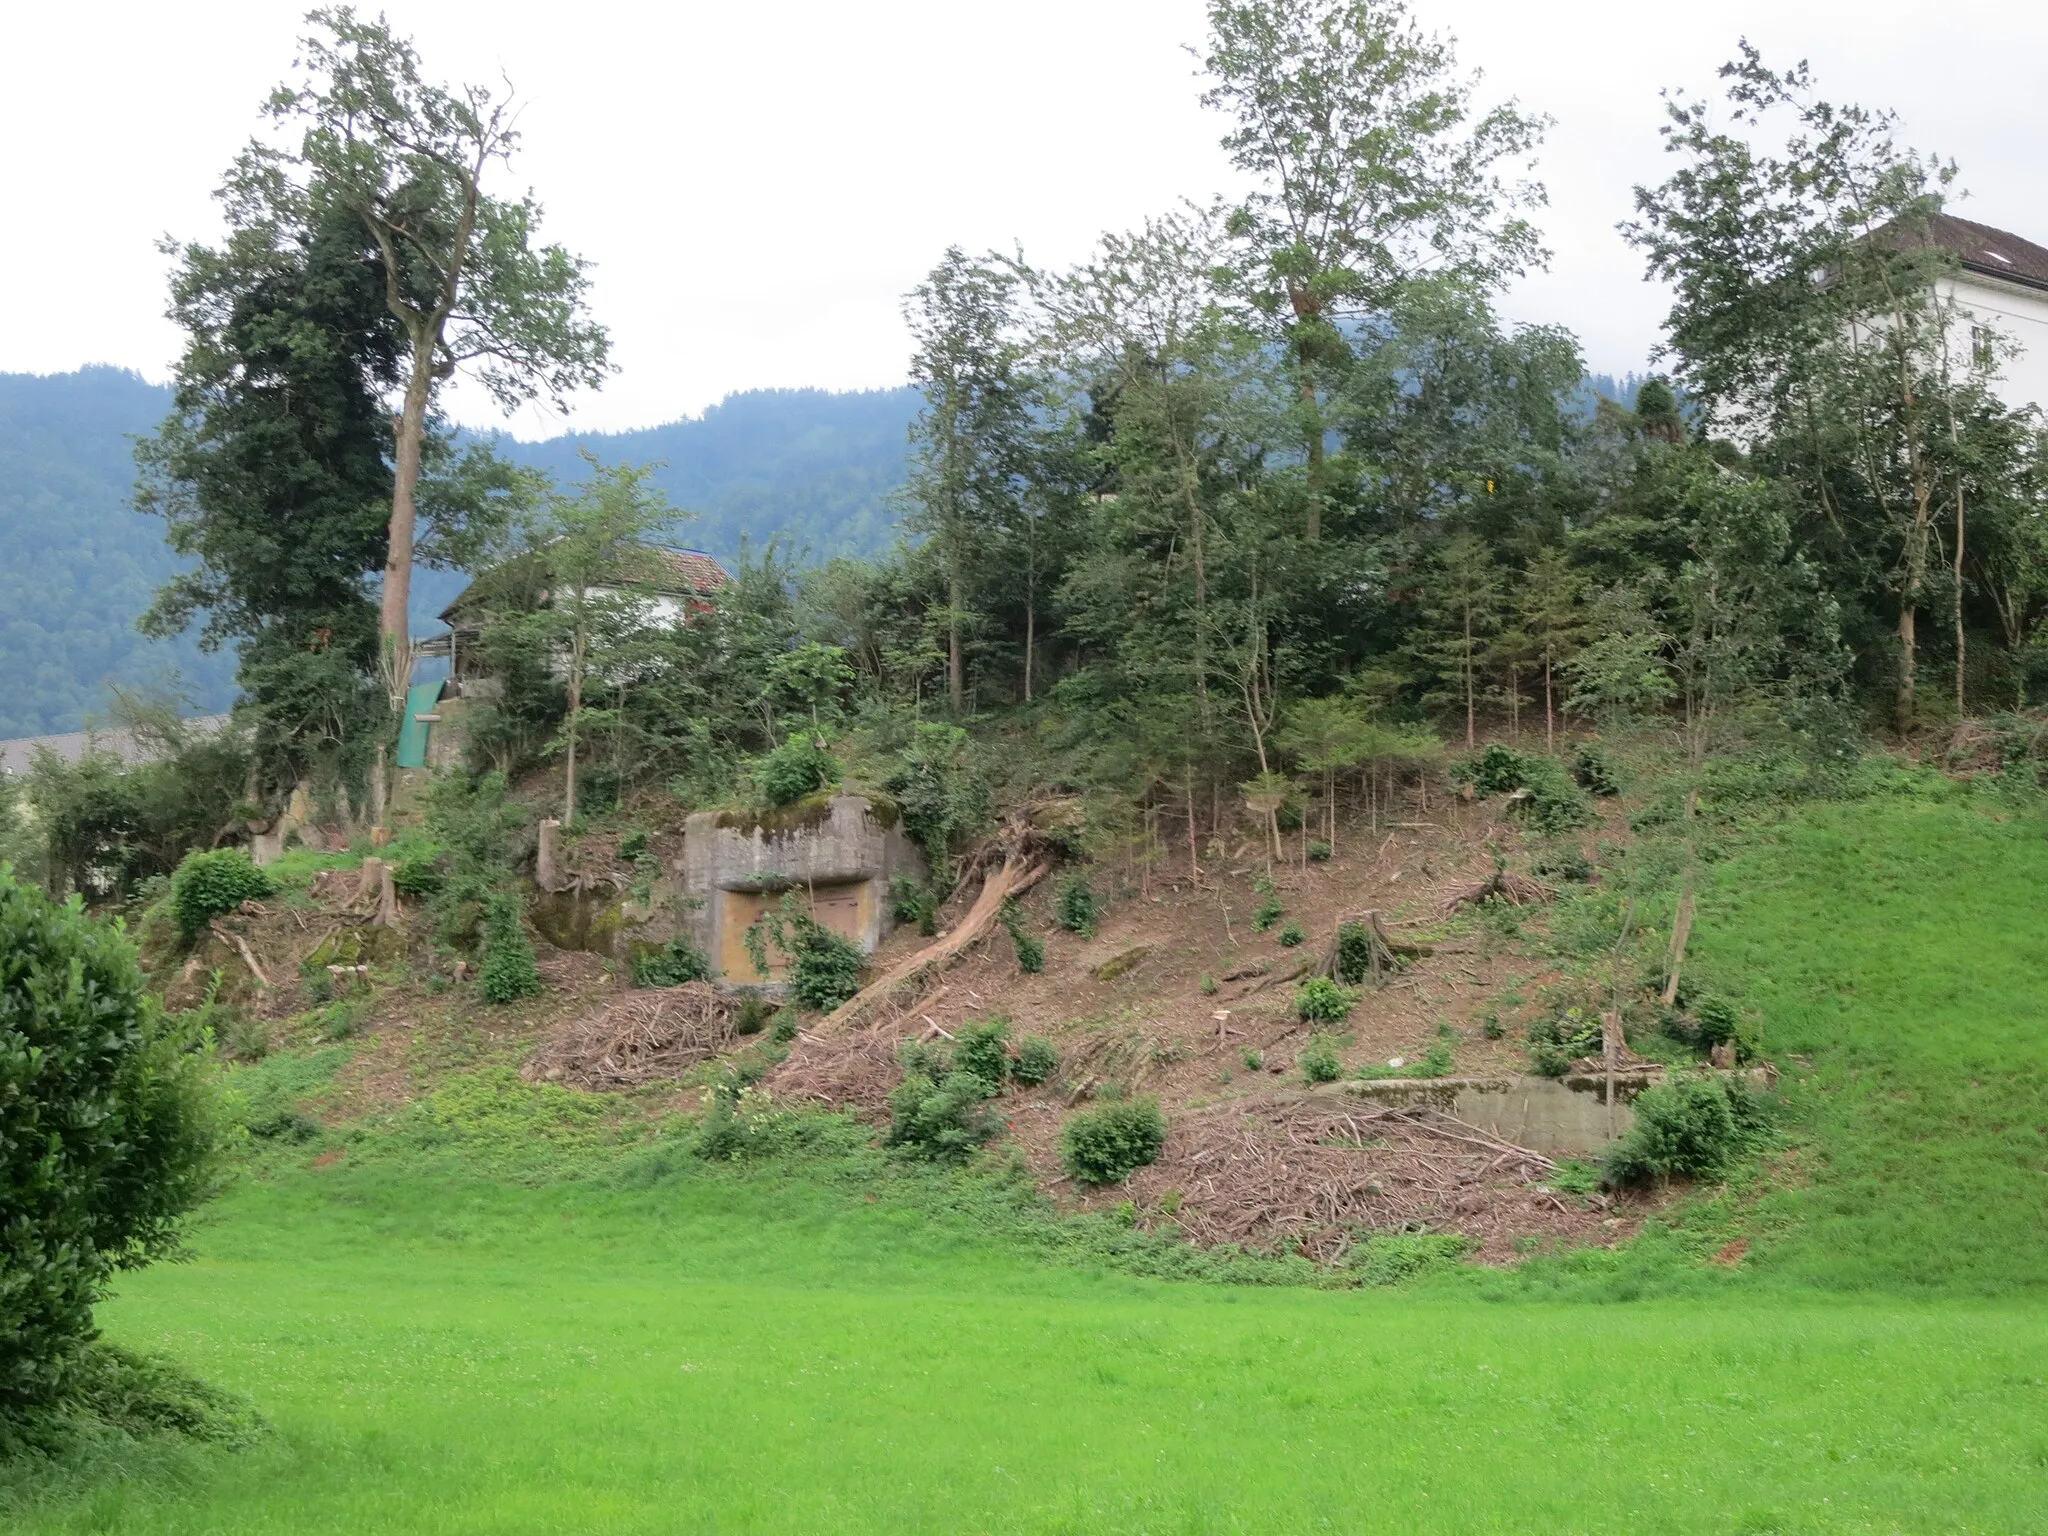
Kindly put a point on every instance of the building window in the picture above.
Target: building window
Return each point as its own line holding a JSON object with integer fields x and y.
{"x": 1983, "y": 347}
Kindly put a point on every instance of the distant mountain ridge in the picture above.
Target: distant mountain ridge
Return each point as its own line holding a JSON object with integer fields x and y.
{"x": 811, "y": 468}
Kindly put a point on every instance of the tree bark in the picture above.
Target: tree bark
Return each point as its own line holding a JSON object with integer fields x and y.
{"x": 1030, "y": 642}
{"x": 1962, "y": 645}
{"x": 956, "y": 677}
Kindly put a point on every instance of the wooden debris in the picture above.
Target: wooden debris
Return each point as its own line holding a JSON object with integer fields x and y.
{"x": 1502, "y": 885}
{"x": 638, "y": 1037}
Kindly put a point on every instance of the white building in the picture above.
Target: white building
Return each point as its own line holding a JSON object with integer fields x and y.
{"x": 2002, "y": 286}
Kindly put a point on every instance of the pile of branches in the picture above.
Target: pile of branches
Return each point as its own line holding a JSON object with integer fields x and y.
{"x": 1312, "y": 1177}
{"x": 636, "y": 1038}
{"x": 1502, "y": 885}
{"x": 851, "y": 1071}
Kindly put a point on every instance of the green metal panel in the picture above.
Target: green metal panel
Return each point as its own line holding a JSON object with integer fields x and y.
{"x": 412, "y": 735}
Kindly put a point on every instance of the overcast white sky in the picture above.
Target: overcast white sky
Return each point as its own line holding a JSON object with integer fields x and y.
{"x": 758, "y": 183}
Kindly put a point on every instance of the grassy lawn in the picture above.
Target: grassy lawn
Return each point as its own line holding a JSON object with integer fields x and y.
{"x": 1901, "y": 948}
{"x": 751, "y": 1357}
{"x": 722, "y": 1351}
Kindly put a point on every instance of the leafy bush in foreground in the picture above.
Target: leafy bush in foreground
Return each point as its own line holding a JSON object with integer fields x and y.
{"x": 109, "y": 1132}
{"x": 937, "y": 1113}
{"x": 984, "y": 1049}
{"x": 1075, "y": 906}
{"x": 1107, "y": 1144}
{"x": 1694, "y": 1127}
{"x": 210, "y": 885}
{"x": 1319, "y": 1063}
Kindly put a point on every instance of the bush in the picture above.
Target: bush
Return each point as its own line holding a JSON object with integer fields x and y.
{"x": 1107, "y": 1144}
{"x": 208, "y": 885}
{"x": 984, "y": 1050}
{"x": 938, "y": 1113}
{"x": 1594, "y": 771}
{"x": 1037, "y": 1059}
{"x": 1030, "y": 953}
{"x": 675, "y": 963}
{"x": 1694, "y": 1127}
{"x": 915, "y": 902}
{"x": 1320, "y": 1000}
{"x": 418, "y": 879}
{"x": 1563, "y": 1038}
{"x": 824, "y": 969}
{"x": 1318, "y": 851}
{"x": 753, "y": 1014}
{"x": 1550, "y": 800}
{"x": 1565, "y": 863}
{"x": 1319, "y": 1063}
{"x": 1268, "y": 911}
{"x": 508, "y": 972}
{"x": 1498, "y": 771}
{"x": 797, "y": 768}
{"x": 110, "y": 1121}
{"x": 1074, "y": 905}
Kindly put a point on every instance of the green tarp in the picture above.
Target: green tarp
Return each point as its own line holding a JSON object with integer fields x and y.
{"x": 412, "y": 735}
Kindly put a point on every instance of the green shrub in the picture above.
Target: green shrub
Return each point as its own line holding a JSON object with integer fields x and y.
{"x": 1318, "y": 851}
{"x": 824, "y": 969}
{"x": 1320, "y": 1000}
{"x": 1319, "y": 1063}
{"x": 1497, "y": 771}
{"x": 984, "y": 1049}
{"x": 1269, "y": 910}
{"x": 1594, "y": 771}
{"x": 915, "y": 902}
{"x": 675, "y": 963}
{"x": 1037, "y": 1059}
{"x": 1354, "y": 953}
{"x": 209, "y": 885}
{"x": 1694, "y": 1127}
{"x": 1550, "y": 800}
{"x": 508, "y": 971}
{"x": 753, "y": 1013}
{"x": 1391, "y": 1258}
{"x": 1074, "y": 904}
{"x": 1254, "y": 1061}
{"x": 1291, "y": 935}
{"x": 1030, "y": 953}
{"x": 938, "y": 1112}
{"x": 785, "y": 1026}
{"x": 1107, "y": 1144}
{"x": 1563, "y": 1038}
{"x": 109, "y": 1132}
{"x": 1565, "y": 863}
{"x": 797, "y": 768}
{"x": 418, "y": 879}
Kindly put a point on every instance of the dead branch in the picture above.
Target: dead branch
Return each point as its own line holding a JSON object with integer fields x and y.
{"x": 1503, "y": 885}
{"x": 241, "y": 947}
{"x": 639, "y": 1037}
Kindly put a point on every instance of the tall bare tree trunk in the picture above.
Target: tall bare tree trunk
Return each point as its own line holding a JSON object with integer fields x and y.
{"x": 570, "y": 730}
{"x": 1471, "y": 734}
{"x": 1962, "y": 645}
{"x": 1549, "y": 719}
{"x": 1030, "y": 642}
{"x": 956, "y": 677}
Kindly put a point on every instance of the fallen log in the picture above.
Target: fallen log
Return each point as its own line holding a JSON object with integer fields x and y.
{"x": 1016, "y": 876}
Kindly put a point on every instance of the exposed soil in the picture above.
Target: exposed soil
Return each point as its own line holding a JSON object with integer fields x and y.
{"x": 1175, "y": 995}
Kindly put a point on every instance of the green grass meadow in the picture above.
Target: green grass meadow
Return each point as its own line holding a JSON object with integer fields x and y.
{"x": 757, "y": 1350}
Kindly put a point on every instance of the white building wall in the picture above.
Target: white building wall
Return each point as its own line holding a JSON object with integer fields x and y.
{"x": 2018, "y": 313}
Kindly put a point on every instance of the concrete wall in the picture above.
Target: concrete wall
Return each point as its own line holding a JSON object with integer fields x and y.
{"x": 837, "y": 854}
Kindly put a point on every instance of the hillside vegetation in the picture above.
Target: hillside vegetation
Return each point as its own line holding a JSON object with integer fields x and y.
{"x": 500, "y": 1303}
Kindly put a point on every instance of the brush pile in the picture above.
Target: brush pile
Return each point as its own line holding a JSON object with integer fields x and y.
{"x": 852, "y": 1071}
{"x": 637, "y": 1038}
{"x": 1313, "y": 1177}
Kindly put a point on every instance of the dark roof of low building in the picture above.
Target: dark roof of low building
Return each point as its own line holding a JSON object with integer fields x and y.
{"x": 1990, "y": 252}
{"x": 520, "y": 581}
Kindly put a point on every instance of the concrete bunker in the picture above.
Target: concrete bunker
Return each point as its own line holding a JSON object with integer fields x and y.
{"x": 837, "y": 854}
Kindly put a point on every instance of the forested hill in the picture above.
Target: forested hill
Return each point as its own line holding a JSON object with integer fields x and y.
{"x": 815, "y": 467}
{"x": 78, "y": 565}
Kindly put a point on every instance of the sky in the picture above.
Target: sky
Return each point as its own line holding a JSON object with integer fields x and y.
{"x": 757, "y": 185}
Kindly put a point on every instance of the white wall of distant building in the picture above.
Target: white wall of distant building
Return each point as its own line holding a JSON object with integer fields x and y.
{"x": 2020, "y": 315}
